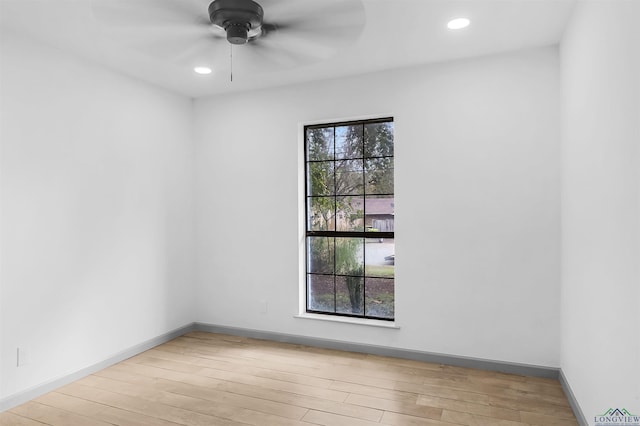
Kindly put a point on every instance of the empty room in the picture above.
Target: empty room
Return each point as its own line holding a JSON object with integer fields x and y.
{"x": 199, "y": 199}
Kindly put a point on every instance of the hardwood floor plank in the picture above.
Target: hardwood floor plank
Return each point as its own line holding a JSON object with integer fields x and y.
{"x": 204, "y": 335}
{"x": 256, "y": 353}
{"x": 184, "y": 396}
{"x": 162, "y": 373}
{"x": 468, "y": 419}
{"x": 8, "y": 418}
{"x": 331, "y": 419}
{"x": 148, "y": 408}
{"x": 457, "y": 394}
{"x": 403, "y": 362}
{"x": 559, "y": 400}
{"x": 240, "y": 367}
{"x": 532, "y": 404}
{"x": 323, "y": 355}
{"x": 389, "y": 394}
{"x": 396, "y": 406}
{"x": 318, "y": 404}
{"x": 286, "y": 415}
{"x": 100, "y": 411}
{"x": 476, "y": 372}
{"x": 123, "y": 373}
{"x": 520, "y": 385}
{"x": 248, "y": 379}
{"x": 460, "y": 384}
{"x": 397, "y": 419}
{"x": 240, "y": 363}
{"x": 382, "y": 375}
{"x": 544, "y": 420}
{"x": 469, "y": 407}
{"x": 54, "y": 416}
{"x": 516, "y": 401}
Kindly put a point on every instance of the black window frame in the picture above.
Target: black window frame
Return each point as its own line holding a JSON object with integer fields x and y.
{"x": 345, "y": 234}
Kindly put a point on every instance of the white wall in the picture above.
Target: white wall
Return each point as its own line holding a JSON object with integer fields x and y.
{"x": 97, "y": 208}
{"x": 477, "y": 205}
{"x": 601, "y": 206}
{"x": 97, "y": 213}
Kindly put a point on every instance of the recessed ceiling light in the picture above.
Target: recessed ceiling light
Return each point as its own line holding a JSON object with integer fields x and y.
{"x": 202, "y": 70}
{"x": 459, "y": 23}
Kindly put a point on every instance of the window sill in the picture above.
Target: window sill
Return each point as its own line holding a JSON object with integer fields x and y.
{"x": 349, "y": 320}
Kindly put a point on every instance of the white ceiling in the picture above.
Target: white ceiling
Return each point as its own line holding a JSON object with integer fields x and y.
{"x": 160, "y": 41}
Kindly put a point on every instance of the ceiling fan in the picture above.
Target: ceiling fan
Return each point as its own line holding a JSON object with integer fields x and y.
{"x": 277, "y": 34}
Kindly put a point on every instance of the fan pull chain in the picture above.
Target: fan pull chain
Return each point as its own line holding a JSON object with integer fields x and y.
{"x": 231, "y": 60}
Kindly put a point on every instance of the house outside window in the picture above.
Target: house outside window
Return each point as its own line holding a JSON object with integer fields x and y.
{"x": 350, "y": 218}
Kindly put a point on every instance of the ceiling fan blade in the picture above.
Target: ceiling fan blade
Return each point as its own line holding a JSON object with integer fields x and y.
{"x": 327, "y": 25}
{"x": 316, "y": 33}
{"x": 150, "y": 13}
{"x": 309, "y": 45}
{"x": 170, "y": 30}
{"x": 267, "y": 56}
{"x": 163, "y": 43}
{"x": 182, "y": 50}
{"x": 310, "y": 13}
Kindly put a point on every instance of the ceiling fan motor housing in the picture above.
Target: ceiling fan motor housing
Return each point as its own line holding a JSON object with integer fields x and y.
{"x": 241, "y": 19}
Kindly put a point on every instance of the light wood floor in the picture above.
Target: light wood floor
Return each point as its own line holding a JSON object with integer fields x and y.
{"x": 214, "y": 379}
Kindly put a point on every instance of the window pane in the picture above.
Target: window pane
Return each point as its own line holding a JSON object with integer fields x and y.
{"x": 320, "y": 178}
{"x": 349, "y": 142}
{"x": 380, "y": 257}
{"x": 320, "y": 293}
{"x": 350, "y": 295}
{"x": 349, "y": 256}
{"x": 321, "y": 213}
{"x": 350, "y": 214}
{"x": 320, "y": 255}
{"x": 379, "y": 213}
{"x": 378, "y": 139}
{"x": 320, "y": 144}
{"x": 379, "y": 297}
{"x": 379, "y": 175}
{"x": 349, "y": 177}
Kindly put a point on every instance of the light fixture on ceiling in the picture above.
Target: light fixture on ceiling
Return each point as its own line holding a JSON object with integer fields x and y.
{"x": 202, "y": 70}
{"x": 458, "y": 23}
{"x": 242, "y": 20}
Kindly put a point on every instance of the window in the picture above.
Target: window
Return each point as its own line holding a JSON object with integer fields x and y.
{"x": 350, "y": 249}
